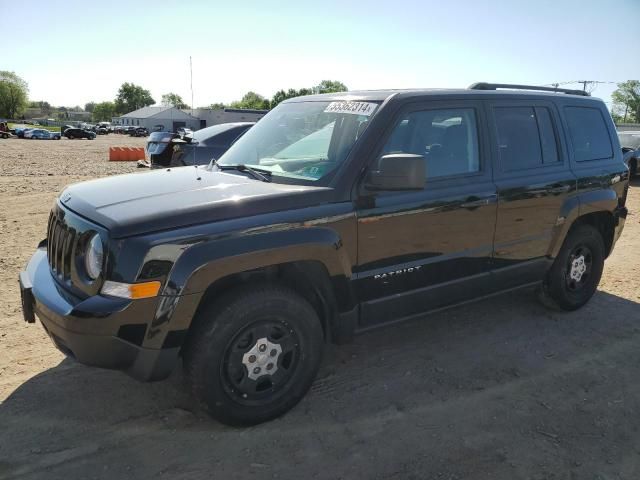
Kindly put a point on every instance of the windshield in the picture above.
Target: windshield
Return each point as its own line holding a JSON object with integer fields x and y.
{"x": 302, "y": 142}
{"x": 631, "y": 140}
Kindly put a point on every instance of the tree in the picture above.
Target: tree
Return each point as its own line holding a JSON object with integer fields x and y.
{"x": 132, "y": 97}
{"x": 217, "y": 106}
{"x": 173, "y": 100}
{"x": 626, "y": 99}
{"x": 330, "y": 86}
{"x": 13, "y": 94}
{"x": 281, "y": 95}
{"x": 89, "y": 106}
{"x": 252, "y": 100}
{"x": 44, "y": 107}
{"x": 104, "y": 111}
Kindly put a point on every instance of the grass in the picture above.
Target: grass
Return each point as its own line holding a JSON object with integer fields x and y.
{"x": 51, "y": 129}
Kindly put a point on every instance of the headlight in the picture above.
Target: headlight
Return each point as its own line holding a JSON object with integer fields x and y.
{"x": 93, "y": 257}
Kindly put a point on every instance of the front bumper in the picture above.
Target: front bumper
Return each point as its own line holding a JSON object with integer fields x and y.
{"x": 97, "y": 331}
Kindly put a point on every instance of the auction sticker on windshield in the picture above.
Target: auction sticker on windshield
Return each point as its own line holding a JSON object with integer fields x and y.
{"x": 355, "y": 108}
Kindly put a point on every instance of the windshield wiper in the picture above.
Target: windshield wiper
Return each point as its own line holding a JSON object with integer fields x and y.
{"x": 257, "y": 173}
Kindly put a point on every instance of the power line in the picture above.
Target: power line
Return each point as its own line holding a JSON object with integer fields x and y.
{"x": 587, "y": 85}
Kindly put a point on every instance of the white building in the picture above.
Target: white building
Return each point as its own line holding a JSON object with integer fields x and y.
{"x": 169, "y": 119}
{"x": 210, "y": 117}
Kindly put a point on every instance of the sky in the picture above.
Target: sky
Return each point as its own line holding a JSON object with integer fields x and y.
{"x": 73, "y": 52}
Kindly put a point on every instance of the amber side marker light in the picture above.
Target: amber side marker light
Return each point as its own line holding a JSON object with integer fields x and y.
{"x": 133, "y": 291}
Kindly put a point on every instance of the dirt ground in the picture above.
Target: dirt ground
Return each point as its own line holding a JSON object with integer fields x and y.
{"x": 500, "y": 389}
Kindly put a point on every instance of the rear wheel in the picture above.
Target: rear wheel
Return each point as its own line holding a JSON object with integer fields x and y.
{"x": 253, "y": 355}
{"x": 576, "y": 271}
{"x": 633, "y": 167}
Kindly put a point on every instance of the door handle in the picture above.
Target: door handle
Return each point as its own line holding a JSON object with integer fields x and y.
{"x": 480, "y": 202}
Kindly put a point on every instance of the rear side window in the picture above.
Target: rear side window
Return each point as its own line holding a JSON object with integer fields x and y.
{"x": 526, "y": 137}
{"x": 589, "y": 134}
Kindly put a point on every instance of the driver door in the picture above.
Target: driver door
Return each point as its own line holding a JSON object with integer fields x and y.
{"x": 421, "y": 250}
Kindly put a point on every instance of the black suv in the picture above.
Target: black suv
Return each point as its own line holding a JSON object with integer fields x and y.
{"x": 73, "y": 132}
{"x": 332, "y": 215}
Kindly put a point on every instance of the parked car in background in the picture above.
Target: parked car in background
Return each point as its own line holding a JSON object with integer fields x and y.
{"x": 42, "y": 134}
{"x": 167, "y": 149}
{"x": 20, "y": 130}
{"x": 72, "y": 133}
{"x": 182, "y": 131}
{"x": 102, "y": 131}
{"x": 207, "y": 144}
{"x": 139, "y": 132}
{"x": 630, "y": 143}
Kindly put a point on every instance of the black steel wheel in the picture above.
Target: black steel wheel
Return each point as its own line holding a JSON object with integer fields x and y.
{"x": 578, "y": 268}
{"x": 576, "y": 271}
{"x": 252, "y": 354}
{"x": 260, "y": 361}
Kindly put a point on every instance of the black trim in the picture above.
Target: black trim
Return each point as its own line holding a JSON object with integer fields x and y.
{"x": 174, "y": 338}
{"x": 417, "y": 301}
{"x": 496, "y": 86}
{"x": 446, "y": 307}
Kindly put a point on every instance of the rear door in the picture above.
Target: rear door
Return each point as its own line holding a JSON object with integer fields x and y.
{"x": 533, "y": 180}
{"x": 419, "y": 250}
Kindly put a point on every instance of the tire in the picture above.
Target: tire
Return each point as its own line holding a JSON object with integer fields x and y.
{"x": 570, "y": 283}
{"x": 633, "y": 167}
{"x": 228, "y": 336}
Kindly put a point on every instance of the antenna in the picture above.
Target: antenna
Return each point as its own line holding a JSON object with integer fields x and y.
{"x": 191, "y": 72}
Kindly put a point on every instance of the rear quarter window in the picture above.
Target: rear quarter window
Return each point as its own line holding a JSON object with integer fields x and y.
{"x": 589, "y": 134}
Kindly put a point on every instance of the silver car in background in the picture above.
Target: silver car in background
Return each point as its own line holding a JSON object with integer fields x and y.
{"x": 630, "y": 143}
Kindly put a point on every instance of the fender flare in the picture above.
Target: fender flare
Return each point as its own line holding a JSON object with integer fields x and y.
{"x": 605, "y": 200}
{"x": 205, "y": 262}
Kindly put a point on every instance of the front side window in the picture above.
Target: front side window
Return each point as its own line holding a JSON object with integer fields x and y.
{"x": 448, "y": 140}
{"x": 302, "y": 142}
{"x": 526, "y": 137}
{"x": 589, "y": 134}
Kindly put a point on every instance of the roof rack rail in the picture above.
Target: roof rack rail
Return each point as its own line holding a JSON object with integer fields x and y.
{"x": 495, "y": 86}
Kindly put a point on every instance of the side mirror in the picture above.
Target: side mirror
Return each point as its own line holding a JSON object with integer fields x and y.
{"x": 398, "y": 171}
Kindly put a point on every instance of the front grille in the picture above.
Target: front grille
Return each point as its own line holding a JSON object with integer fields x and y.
{"x": 61, "y": 246}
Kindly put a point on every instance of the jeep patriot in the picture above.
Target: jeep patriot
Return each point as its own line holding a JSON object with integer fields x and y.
{"x": 334, "y": 214}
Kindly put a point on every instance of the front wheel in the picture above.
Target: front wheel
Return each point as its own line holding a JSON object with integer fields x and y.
{"x": 576, "y": 271}
{"x": 253, "y": 355}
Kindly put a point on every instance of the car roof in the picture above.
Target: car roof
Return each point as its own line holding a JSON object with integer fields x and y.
{"x": 406, "y": 94}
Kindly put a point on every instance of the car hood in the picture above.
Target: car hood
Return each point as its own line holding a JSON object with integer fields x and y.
{"x": 162, "y": 199}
